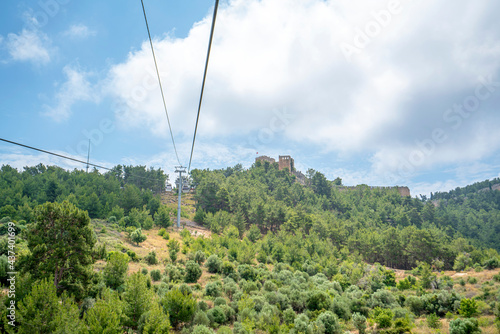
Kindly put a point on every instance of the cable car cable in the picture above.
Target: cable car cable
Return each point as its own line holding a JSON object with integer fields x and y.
{"x": 159, "y": 81}
{"x": 72, "y": 159}
{"x": 204, "y": 78}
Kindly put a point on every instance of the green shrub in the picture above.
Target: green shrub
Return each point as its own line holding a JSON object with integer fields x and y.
{"x": 383, "y": 317}
{"x": 318, "y": 300}
{"x": 213, "y": 289}
{"x": 166, "y": 236}
{"x": 468, "y": 308}
{"x": 247, "y": 272}
{"x": 219, "y": 301}
{"x": 200, "y": 318}
{"x": 200, "y": 216}
{"x": 433, "y": 321}
{"x": 216, "y": 316}
{"x": 162, "y": 232}
{"x": 137, "y": 236}
{"x": 464, "y": 326}
{"x": 214, "y": 264}
{"x": 151, "y": 258}
{"x": 193, "y": 272}
{"x": 201, "y": 329}
{"x": 116, "y": 269}
{"x": 162, "y": 217}
{"x": 288, "y": 316}
{"x": 341, "y": 308}
{"x": 202, "y": 305}
{"x": 179, "y": 306}
{"x": 406, "y": 283}
{"x": 472, "y": 280}
{"x": 492, "y": 263}
{"x": 155, "y": 275}
{"x": 144, "y": 271}
{"x": 359, "y": 321}
{"x": 132, "y": 255}
{"x": 199, "y": 257}
{"x": 329, "y": 323}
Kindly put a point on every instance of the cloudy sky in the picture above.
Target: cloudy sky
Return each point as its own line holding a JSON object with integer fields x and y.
{"x": 378, "y": 92}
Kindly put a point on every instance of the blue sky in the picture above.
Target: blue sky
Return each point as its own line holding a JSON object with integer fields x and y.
{"x": 376, "y": 92}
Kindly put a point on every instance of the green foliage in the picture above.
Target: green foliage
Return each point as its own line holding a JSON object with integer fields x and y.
{"x": 383, "y": 317}
{"x": 137, "y": 298}
{"x": 389, "y": 278}
{"x": 161, "y": 232}
{"x": 328, "y": 323}
{"x": 116, "y": 269}
{"x": 106, "y": 314}
{"x": 254, "y": 233}
{"x": 468, "y": 308}
{"x": 132, "y": 255}
{"x": 201, "y": 329}
{"x": 140, "y": 218}
{"x": 462, "y": 261}
{"x": 155, "y": 275}
{"x": 201, "y": 318}
{"x": 155, "y": 321}
{"x": 179, "y": 306}
{"x": 116, "y": 212}
{"x": 61, "y": 242}
{"x": 433, "y": 321}
{"x": 199, "y": 257}
{"x": 37, "y": 311}
{"x": 173, "y": 248}
{"x": 213, "y": 289}
{"x": 407, "y": 283}
{"x": 213, "y": 264}
{"x": 318, "y": 300}
{"x": 137, "y": 236}
{"x": 151, "y": 258}
{"x": 193, "y": 272}
{"x": 216, "y": 316}
{"x": 200, "y": 216}
{"x": 464, "y": 326}
{"x": 68, "y": 320}
{"x": 162, "y": 217}
{"x": 247, "y": 272}
{"x": 359, "y": 321}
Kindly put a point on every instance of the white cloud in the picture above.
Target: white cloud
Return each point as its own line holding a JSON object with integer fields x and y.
{"x": 76, "y": 88}
{"x": 79, "y": 31}
{"x": 29, "y": 45}
{"x": 275, "y": 53}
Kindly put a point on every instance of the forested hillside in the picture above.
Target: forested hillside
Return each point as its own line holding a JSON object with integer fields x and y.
{"x": 97, "y": 253}
{"x": 378, "y": 224}
{"x": 101, "y": 195}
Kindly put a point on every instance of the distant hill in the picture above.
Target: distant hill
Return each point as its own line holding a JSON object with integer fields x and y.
{"x": 473, "y": 188}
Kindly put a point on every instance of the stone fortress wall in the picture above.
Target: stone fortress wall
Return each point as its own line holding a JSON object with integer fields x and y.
{"x": 286, "y": 161}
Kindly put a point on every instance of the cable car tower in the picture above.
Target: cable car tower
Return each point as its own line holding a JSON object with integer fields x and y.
{"x": 180, "y": 189}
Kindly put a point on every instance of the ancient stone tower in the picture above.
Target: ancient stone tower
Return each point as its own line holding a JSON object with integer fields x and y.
{"x": 286, "y": 161}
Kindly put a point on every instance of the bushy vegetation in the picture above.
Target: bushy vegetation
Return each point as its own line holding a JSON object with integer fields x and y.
{"x": 283, "y": 257}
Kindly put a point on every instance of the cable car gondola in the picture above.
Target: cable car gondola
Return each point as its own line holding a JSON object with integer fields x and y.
{"x": 185, "y": 188}
{"x": 168, "y": 187}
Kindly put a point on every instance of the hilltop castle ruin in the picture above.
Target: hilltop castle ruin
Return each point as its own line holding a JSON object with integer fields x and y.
{"x": 286, "y": 161}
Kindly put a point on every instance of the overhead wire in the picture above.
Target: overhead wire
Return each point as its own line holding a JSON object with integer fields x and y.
{"x": 69, "y": 158}
{"x": 57, "y": 155}
{"x": 159, "y": 82}
{"x": 204, "y": 78}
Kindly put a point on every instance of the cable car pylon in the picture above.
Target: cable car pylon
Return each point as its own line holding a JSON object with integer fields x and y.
{"x": 180, "y": 170}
